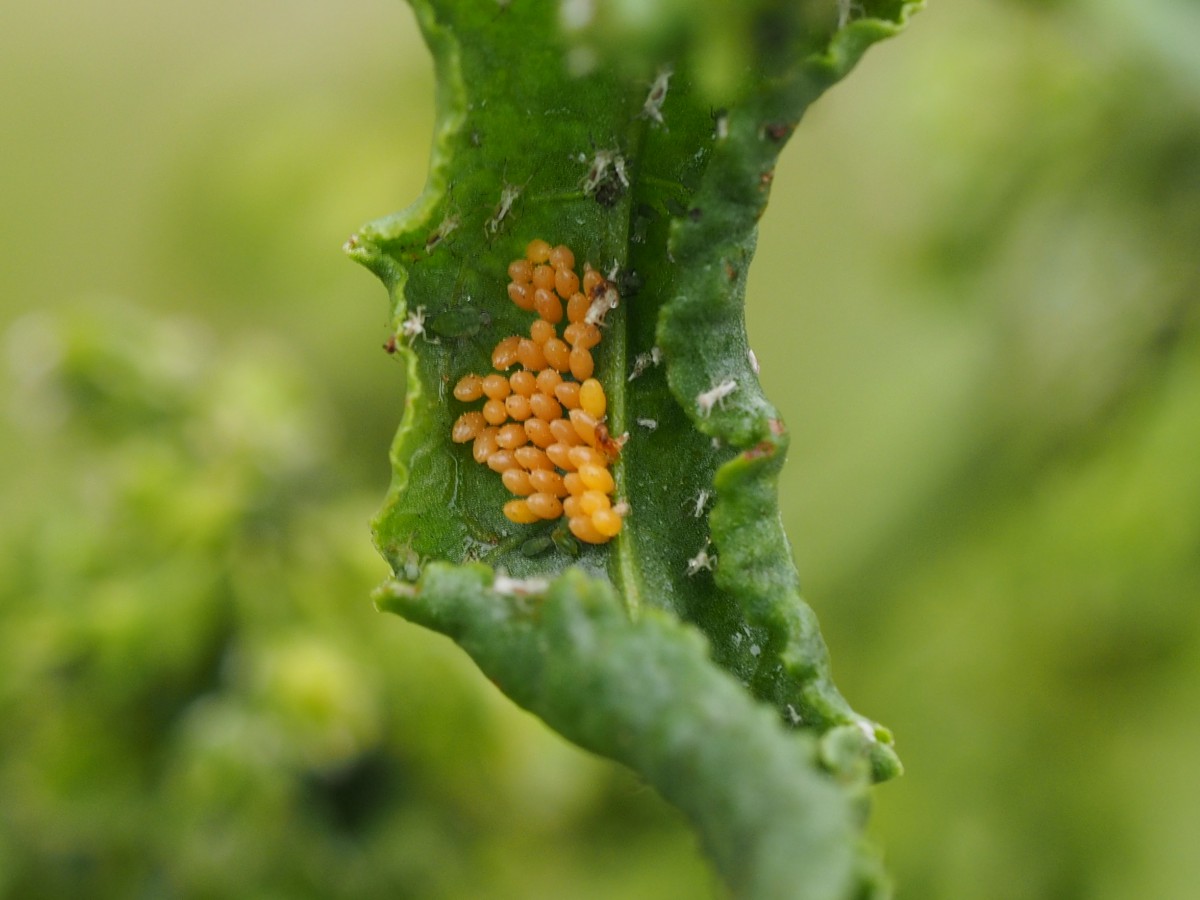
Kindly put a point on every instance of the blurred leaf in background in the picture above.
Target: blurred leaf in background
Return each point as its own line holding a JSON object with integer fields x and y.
{"x": 198, "y": 701}
{"x": 974, "y": 302}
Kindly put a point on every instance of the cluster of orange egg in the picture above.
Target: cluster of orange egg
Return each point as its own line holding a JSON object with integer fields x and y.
{"x": 542, "y": 427}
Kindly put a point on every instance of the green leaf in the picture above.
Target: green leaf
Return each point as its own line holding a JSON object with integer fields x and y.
{"x": 644, "y": 692}
{"x": 638, "y": 140}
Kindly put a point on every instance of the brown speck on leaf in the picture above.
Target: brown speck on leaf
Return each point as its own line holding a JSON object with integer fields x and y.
{"x": 765, "y": 448}
{"x": 777, "y": 131}
{"x": 608, "y": 193}
{"x": 777, "y": 427}
{"x": 610, "y": 446}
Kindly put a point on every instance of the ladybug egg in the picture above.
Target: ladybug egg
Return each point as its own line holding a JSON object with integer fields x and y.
{"x": 512, "y": 436}
{"x": 577, "y": 307}
{"x": 559, "y": 455}
{"x": 591, "y": 280}
{"x": 582, "y": 527}
{"x": 547, "y": 481}
{"x": 568, "y": 394}
{"x": 539, "y": 432}
{"x": 468, "y": 427}
{"x": 469, "y": 387}
{"x": 592, "y": 399}
{"x": 574, "y": 484}
{"x": 545, "y": 506}
{"x": 542, "y": 331}
{"x": 561, "y": 257}
{"x": 494, "y": 412}
{"x": 530, "y": 355}
{"x": 518, "y": 511}
{"x": 505, "y": 353}
{"x": 607, "y": 522}
{"x": 566, "y": 282}
{"x": 564, "y": 433}
{"x": 538, "y": 251}
{"x": 591, "y": 501}
{"x": 547, "y": 381}
{"x": 521, "y": 295}
{"x": 485, "y": 445}
{"x": 544, "y": 407}
{"x": 523, "y": 383}
{"x": 520, "y": 271}
{"x": 596, "y": 478}
{"x": 496, "y": 387}
{"x": 582, "y": 364}
{"x": 501, "y": 461}
{"x": 586, "y": 456}
{"x": 548, "y": 306}
{"x": 532, "y": 458}
{"x": 517, "y": 482}
{"x": 584, "y": 425}
{"x": 557, "y": 354}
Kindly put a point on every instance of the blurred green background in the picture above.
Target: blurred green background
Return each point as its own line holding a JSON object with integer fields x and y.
{"x": 975, "y": 301}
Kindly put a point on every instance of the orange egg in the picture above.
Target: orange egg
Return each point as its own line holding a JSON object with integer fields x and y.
{"x": 561, "y": 257}
{"x": 532, "y": 458}
{"x": 469, "y": 387}
{"x": 545, "y": 506}
{"x": 505, "y": 353}
{"x": 520, "y": 271}
{"x": 607, "y": 522}
{"x": 539, "y": 432}
{"x": 566, "y": 283}
{"x": 582, "y": 528}
{"x": 592, "y": 399}
{"x": 518, "y": 511}
{"x": 468, "y": 427}
{"x": 538, "y": 251}
{"x": 517, "y": 481}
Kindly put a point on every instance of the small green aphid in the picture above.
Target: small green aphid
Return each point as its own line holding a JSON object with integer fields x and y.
{"x": 564, "y": 541}
{"x": 536, "y": 546}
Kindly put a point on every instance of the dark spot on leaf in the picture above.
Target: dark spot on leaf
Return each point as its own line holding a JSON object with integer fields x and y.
{"x": 609, "y": 192}
{"x": 695, "y": 214}
{"x": 390, "y": 344}
{"x": 629, "y": 282}
{"x": 730, "y": 272}
{"x": 777, "y": 131}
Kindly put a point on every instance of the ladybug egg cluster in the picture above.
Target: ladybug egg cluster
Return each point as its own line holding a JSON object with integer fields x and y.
{"x": 542, "y": 427}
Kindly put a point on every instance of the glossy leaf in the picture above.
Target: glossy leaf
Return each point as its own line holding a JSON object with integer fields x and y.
{"x": 638, "y": 144}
